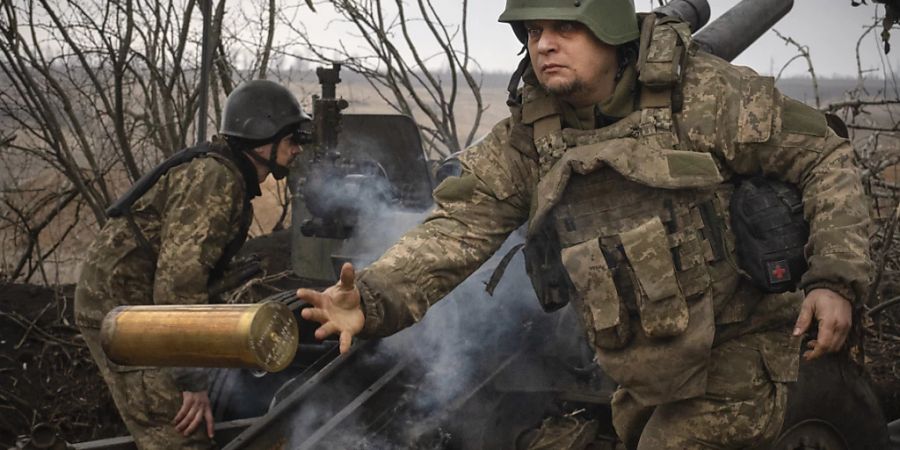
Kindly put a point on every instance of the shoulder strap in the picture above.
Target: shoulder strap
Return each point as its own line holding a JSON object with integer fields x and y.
{"x": 122, "y": 206}
{"x": 234, "y": 246}
{"x": 664, "y": 44}
{"x": 540, "y": 111}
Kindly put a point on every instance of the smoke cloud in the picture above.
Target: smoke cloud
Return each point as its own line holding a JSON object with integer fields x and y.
{"x": 446, "y": 359}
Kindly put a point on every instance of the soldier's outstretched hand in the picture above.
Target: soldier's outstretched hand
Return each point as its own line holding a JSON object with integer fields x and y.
{"x": 834, "y": 315}
{"x": 337, "y": 308}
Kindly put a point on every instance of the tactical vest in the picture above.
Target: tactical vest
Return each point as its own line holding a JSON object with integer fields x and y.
{"x": 633, "y": 230}
{"x": 122, "y": 206}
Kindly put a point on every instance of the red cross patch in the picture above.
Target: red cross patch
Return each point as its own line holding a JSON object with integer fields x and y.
{"x": 778, "y": 271}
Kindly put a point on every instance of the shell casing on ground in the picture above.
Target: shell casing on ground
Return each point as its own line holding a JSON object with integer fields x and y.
{"x": 262, "y": 335}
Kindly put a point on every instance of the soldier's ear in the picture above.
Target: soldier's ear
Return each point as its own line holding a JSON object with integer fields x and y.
{"x": 262, "y": 150}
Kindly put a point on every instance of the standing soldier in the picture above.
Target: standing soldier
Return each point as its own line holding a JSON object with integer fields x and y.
{"x": 621, "y": 152}
{"x": 168, "y": 238}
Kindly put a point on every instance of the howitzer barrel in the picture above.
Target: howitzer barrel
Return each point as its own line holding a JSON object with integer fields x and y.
{"x": 740, "y": 26}
{"x": 262, "y": 336}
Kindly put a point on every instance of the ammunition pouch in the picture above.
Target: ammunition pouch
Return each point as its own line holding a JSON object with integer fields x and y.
{"x": 767, "y": 219}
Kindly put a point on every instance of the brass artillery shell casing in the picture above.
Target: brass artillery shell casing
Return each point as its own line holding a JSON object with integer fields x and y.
{"x": 261, "y": 335}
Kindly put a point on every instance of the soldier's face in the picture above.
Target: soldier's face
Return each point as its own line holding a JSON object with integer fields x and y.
{"x": 570, "y": 62}
{"x": 288, "y": 149}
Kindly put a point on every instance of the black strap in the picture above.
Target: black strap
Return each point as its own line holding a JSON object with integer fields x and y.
{"x": 123, "y": 205}
{"x": 501, "y": 269}
{"x": 513, "y": 87}
{"x": 713, "y": 229}
{"x": 234, "y": 246}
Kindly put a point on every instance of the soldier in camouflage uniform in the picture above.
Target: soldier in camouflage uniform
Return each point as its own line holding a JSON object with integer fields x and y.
{"x": 171, "y": 242}
{"x": 620, "y": 153}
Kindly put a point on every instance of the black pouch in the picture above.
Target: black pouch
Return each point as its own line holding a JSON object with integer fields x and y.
{"x": 545, "y": 269}
{"x": 767, "y": 219}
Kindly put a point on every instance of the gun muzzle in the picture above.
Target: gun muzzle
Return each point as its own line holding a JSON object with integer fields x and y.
{"x": 262, "y": 336}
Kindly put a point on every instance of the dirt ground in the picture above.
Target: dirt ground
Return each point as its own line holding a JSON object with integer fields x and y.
{"x": 46, "y": 372}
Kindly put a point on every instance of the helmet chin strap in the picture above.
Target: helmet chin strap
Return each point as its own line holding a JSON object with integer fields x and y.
{"x": 278, "y": 171}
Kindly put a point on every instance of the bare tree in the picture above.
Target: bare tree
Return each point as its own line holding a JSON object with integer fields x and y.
{"x": 98, "y": 86}
{"x": 392, "y": 62}
{"x": 803, "y": 52}
{"x": 891, "y": 17}
{"x": 873, "y": 125}
{"x": 98, "y": 92}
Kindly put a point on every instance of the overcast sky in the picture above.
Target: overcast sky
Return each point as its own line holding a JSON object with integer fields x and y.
{"x": 830, "y": 28}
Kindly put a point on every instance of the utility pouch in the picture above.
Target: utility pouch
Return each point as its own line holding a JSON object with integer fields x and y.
{"x": 660, "y": 65}
{"x": 767, "y": 219}
{"x": 661, "y": 304}
{"x": 604, "y": 314}
{"x": 544, "y": 268}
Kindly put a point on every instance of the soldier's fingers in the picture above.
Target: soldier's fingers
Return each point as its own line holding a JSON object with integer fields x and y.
{"x": 823, "y": 341}
{"x": 185, "y": 421}
{"x": 191, "y": 417}
{"x": 805, "y": 318}
{"x": 208, "y": 417}
{"x": 815, "y": 350}
{"x": 185, "y": 407}
{"x": 326, "y": 330}
{"x": 348, "y": 276}
{"x": 198, "y": 417}
{"x": 346, "y": 340}
{"x": 310, "y": 296}
{"x": 315, "y": 314}
{"x": 818, "y": 351}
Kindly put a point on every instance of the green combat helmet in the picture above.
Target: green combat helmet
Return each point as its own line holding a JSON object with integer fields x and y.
{"x": 262, "y": 111}
{"x": 612, "y": 21}
{"x": 259, "y": 109}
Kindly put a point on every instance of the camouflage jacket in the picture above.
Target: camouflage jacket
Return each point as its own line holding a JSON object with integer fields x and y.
{"x": 726, "y": 111}
{"x": 189, "y": 217}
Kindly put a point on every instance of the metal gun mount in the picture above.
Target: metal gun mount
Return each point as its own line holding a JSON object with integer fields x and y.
{"x": 360, "y": 165}
{"x": 327, "y": 108}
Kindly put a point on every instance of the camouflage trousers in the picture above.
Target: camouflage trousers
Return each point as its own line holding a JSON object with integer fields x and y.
{"x": 147, "y": 400}
{"x": 742, "y": 408}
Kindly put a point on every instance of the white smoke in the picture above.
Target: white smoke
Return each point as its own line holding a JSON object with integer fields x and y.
{"x": 459, "y": 338}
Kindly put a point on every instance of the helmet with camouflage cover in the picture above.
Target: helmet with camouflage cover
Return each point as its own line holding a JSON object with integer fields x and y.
{"x": 612, "y": 21}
